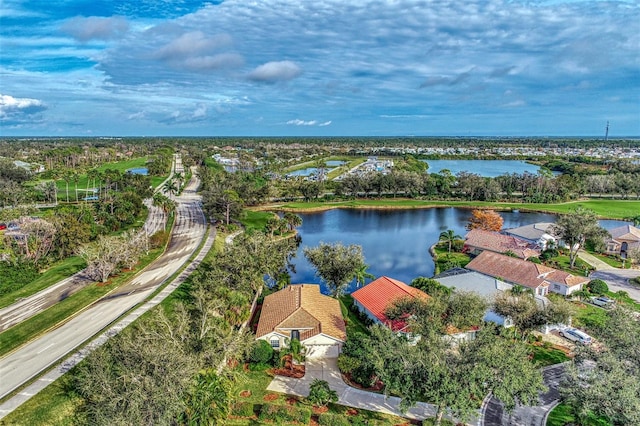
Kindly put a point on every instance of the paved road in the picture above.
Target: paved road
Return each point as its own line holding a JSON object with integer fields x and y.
{"x": 36, "y": 303}
{"x": 36, "y": 356}
{"x": 617, "y": 279}
{"x": 494, "y": 414}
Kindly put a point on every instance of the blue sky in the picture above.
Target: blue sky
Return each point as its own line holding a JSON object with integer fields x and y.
{"x": 322, "y": 67}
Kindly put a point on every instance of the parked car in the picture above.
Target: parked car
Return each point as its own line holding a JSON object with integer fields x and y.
{"x": 575, "y": 335}
{"x": 3, "y": 226}
{"x": 602, "y": 301}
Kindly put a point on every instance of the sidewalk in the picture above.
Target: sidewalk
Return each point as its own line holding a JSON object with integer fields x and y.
{"x": 594, "y": 261}
{"x": 327, "y": 369}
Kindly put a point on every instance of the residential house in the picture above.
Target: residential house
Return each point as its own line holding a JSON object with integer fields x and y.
{"x": 374, "y": 298}
{"x": 301, "y": 311}
{"x": 623, "y": 239}
{"x": 479, "y": 240}
{"x": 460, "y": 279}
{"x": 541, "y": 234}
{"x": 539, "y": 278}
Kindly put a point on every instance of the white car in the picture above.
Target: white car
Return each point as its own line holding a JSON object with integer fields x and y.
{"x": 603, "y": 302}
{"x": 575, "y": 335}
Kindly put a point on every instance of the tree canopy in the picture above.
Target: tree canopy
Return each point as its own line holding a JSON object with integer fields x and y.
{"x": 336, "y": 264}
{"x": 578, "y": 227}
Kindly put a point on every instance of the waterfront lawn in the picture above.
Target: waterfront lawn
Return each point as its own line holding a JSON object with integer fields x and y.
{"x": 256, "y": 220}
{"x": 443, "y": 257}
{"x": 606, "y": 209}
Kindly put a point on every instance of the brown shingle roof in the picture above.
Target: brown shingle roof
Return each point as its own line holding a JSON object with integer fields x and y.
{"x": 500, "y": 243}
{"x": 301, "y": 307}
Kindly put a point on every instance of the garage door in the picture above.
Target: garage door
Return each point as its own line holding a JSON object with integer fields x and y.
{"x": 323, "y": 351}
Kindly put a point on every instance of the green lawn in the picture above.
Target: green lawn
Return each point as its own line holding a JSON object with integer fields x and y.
{"x": 611, "y": 260}
{"x": 562, "y": 262}
{"x": 589, "y": 316}
{"x": 561, "y": 415}
{"x": 354, "y": 323}
{"x": 444, "y": 257}
{"x": 38, "y": 324}
{"x": 609, "y": 209}
{"x": 543, "y": 357}
{"x": 59, "y": 271}
{"x": 256, "y": 220}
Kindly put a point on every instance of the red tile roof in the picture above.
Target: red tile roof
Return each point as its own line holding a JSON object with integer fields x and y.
{"x": 500, "y": 243}
{"x": 520, "y": 271}
{"x": 381, "y": 293}
{"x": 304, "y": 308}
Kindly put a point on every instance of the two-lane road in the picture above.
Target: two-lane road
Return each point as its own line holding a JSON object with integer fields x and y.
{"x": 26, "y": 362}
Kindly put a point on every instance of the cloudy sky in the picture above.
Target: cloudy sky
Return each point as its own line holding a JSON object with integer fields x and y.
{"x": 319, "y": 67}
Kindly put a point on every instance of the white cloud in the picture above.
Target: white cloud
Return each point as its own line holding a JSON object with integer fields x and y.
{"x": 95, "y": 28}
{"x": 275, "y": 71}
{"x": 298, "y": 122}
{"x": 16, "y": 110}
{"x": 192, "y": 43}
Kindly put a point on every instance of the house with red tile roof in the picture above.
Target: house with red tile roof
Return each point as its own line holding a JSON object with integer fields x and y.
{"x": 301, "y": 311}
{"x": 479, "y": 240}
{"x": 539, "y": 278}
{"x": 374, "y": 298}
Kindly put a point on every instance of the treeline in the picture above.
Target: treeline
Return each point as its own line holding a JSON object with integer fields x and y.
{"x": 171, "y": 367}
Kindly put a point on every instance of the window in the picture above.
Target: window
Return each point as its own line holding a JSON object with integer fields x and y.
{"x": 556, "y": 287}
{"x": 275, "y": 343}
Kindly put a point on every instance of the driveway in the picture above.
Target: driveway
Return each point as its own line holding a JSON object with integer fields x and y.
{"x": 327, "y": 369}
{"x": 494, "y": 414}
{"x": 617, "y": 279}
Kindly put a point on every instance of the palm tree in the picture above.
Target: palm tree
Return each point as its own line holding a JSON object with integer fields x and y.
{"x": 170, "y": 187}
{"x": 361, "y": 275}
{"x": 295, "y": 350}
{"x": 293, "y": 220}
{"x": 449, "y": 237}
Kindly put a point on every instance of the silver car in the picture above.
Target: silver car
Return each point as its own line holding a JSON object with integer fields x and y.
{"x": 575, "y": 335}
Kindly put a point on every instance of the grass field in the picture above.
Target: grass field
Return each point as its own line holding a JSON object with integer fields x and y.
{"x": 59, "y": 271}
{"x": 605, "y": 209}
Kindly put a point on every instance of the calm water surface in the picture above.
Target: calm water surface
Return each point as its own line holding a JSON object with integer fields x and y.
{"x": 394, "y": 242}
{"x": 139, "y": 171}
{"x": 485, "y": 168}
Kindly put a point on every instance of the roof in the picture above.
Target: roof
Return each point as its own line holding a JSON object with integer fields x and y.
{"x": 520, "y": 271}
{"x": 500, "y": 243}
{"x": 382, "y": 293}
{"x": 625, "y": 232}
{"x": 532, "y": 232}
{"x": 301, "y": 307}
{"x": 475, "y": 282}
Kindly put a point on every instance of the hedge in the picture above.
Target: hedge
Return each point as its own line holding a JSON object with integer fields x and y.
{"x": 333, "y": 419}
{"x": 284, "y": 413}
{"x": 242, "y": 409}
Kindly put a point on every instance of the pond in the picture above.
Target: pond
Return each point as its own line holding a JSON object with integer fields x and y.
{"x": 313, "y": 170}
{"x": 485, "y": 168}
{"x": 138, "y": 171}
{"x": 394, "y": 242}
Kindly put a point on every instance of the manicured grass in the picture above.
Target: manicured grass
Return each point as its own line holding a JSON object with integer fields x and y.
{"x": 354, "y": 323}
{"x": 610, "y": 260}
{"x": 256, "y": 220}
{"x": 444, "y": 257}
{"x": 59, "y": 271}
{"x": 562, "y": 262}
{"x": 589, "y": 316}
{"x": 624, "y": 299}
{"x": 547, "y": 356}
{"x": 36, "y": 325}
{"x": 562, "y": 415}
{"x": 55, "y": 405}
{"x": 606, "y": 209}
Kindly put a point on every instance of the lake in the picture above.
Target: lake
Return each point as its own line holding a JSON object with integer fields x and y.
{"x": 313, "y": 170}
{"x": 394, "y": 242}
{"x": 485, "y": 168}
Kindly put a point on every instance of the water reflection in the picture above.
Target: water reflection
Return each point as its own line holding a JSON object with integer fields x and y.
{"x": 394, "y": 242}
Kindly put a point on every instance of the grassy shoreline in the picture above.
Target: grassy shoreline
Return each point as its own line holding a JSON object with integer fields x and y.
{"x": 605, "y": 209}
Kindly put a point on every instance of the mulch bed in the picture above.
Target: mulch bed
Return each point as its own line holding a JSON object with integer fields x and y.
{"x": 271, "y": 397}
{"x": 378, "y": 386}
{"x": 290, "y": 370}
{"x": 245, "y": 393}
{"x": 319, "y": 410}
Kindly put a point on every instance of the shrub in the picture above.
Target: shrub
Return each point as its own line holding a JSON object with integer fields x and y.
{"x": 14, "y": 276}
{"x": 347, "y": 363}
{"x": 284, "y": 414}
{"x": 261, "y": 353}
{"x": 598, "y": 287}
{"x": 321, "y": 394}
{"x": 159, "y": 239}
{"x": 332, "y": 419}
{"x": 535, "y": 260}
{"x": 242, "y": 409}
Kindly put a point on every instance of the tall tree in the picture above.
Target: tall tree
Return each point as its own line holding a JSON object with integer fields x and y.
{"x": 449, "y": 237}
{"x": 336, "y": 264}
{"x": 487, "y": 220}
{"x": 576, "y": 228}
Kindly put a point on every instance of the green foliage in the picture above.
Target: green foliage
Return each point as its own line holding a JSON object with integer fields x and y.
{"x": 357, "y": 348}
{"x": 15, "y": 275}
{"x": 333, "y": 419}
{"x": 535, "y": 260}
{"x": 430, "y": 286}
{"x": 598, "y": 287}
{"x": 207, "y": 401}
{"x": 320, "y": 394}
{"x": 243, "y": 409}
{"x": 284, "y": 414}
{"x": 261, "y": 353}
{"x": 336, "y": 264}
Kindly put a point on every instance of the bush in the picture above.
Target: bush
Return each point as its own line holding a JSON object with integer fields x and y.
{"x": 159, "y": 239}
{"x": 262, "y": 352}
{"x": 535, "y": 260}
{"x": 598, "y": 287}
{"x": 14, "y": 276}
{"x": 321, "y": 394}
{"x": 333, "y": 419}
{"x": 242, "y": 409}
{"x": 284, "y": 414}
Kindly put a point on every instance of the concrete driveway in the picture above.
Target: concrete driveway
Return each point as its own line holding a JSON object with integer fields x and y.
{"x": 327, "y": 369}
